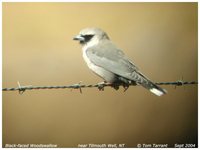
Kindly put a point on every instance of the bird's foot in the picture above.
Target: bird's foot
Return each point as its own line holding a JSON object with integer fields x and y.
{"x": 115, "y": 86}
{"x": 101, "y": 85}
{"x": 125, "y": 86}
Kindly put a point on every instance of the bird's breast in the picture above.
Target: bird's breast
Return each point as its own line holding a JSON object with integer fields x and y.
{"x": 100, "y": 71}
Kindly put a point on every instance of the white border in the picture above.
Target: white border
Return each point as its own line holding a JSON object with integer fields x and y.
{"x": 86, "y": 1}
{"x": 99, "y": 1}
{"x": 1, "y": 75}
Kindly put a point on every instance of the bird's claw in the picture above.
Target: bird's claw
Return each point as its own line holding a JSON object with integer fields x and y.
{"x": 115, "y": 86}
{"x": 101, "y": 86}
{"x": 125, "y": 86}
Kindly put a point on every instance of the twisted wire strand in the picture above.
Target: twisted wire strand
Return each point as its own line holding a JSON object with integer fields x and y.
{"x": 79, "y": 86}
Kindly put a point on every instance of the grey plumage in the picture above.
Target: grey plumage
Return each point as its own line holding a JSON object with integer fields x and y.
{"x": 109, "y": 62}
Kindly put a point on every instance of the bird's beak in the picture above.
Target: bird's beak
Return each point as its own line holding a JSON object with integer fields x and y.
{"x": 79, "y": 38}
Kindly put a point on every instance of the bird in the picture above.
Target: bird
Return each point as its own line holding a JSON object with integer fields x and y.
{"x": 109, "y": 62}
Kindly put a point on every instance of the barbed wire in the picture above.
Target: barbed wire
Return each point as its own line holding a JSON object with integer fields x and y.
{"x": 100, "y": 86}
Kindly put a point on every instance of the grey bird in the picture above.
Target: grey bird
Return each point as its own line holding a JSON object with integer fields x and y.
{"x": 110, "y": 63}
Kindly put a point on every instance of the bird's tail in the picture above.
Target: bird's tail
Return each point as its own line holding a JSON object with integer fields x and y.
{"x": 153, "y": 88}
{"x": 146, "y": 83}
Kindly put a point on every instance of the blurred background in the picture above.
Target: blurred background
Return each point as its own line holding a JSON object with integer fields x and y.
{"x": 38, "y": 50}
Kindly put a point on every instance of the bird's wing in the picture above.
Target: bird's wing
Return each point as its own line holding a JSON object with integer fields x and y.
{"x": 109, "y": 57}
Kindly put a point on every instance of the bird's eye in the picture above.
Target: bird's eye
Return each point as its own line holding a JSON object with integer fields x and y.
{"x": 88, "y": 37}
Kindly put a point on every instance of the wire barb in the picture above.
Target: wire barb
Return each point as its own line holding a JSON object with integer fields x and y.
{"x": 22, "y": 89}
{"x": 79, "y": 86}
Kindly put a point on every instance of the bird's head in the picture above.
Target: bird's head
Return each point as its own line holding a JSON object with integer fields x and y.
{"x": 91, "y": 35}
